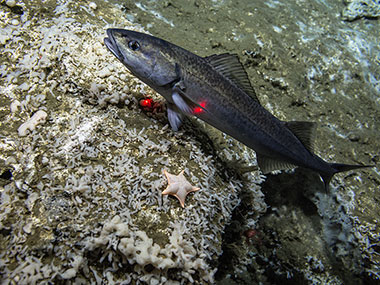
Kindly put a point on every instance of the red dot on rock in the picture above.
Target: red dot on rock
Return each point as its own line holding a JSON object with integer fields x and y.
{"x": 146, "y": 102}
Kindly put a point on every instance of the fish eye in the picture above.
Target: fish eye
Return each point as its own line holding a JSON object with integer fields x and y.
{"x": 134, "y": 45}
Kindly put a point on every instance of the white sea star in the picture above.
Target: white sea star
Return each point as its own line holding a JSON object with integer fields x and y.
{"x": 178, "y": 187}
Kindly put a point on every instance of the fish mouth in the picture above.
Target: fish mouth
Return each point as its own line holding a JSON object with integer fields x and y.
{"x": 125, "y": 58}
{"x": 111, "y": 44}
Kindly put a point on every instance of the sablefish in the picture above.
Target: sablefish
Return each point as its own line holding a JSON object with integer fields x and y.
{"x": 216, "y": 89}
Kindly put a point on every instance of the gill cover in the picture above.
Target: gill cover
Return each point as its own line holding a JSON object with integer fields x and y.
{"x": 147, "y": 57}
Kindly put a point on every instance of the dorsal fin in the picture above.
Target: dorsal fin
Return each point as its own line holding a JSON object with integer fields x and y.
{"x": 230, "y": 66}
{"x": 304, "y": 131}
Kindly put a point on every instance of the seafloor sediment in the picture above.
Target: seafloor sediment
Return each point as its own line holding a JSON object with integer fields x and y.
{"x": 81, "y": 165}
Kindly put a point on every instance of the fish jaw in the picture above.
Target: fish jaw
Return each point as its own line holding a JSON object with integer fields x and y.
{"x": 112, "y": 45}
{"x": 140, "y": 54}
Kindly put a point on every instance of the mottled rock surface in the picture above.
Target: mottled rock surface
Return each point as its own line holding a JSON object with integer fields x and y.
{"x": 82, "y": 165}
{"x": 81, "y": 192}
{"x": 361, "y": 9}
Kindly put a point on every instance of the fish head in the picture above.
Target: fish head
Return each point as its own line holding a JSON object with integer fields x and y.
{"x": 147, "y": 57}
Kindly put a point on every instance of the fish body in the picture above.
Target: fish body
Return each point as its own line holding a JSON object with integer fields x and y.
{"x": 216, "y": 89}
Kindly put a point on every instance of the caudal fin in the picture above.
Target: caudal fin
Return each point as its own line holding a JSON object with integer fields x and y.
{"x": 338, "y": 167}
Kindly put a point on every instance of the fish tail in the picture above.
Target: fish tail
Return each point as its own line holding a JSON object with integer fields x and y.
{"x": 336, "y": 168}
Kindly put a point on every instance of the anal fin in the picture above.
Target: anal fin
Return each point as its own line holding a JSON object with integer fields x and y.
{"x": 268, "y": 164}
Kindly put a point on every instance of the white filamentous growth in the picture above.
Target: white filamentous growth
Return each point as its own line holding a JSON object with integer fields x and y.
{"x": 38, "y": 118}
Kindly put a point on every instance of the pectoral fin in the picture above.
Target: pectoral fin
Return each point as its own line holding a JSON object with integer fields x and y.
{"x": 181, "y": 104}
{"x": 186, "y": 105}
